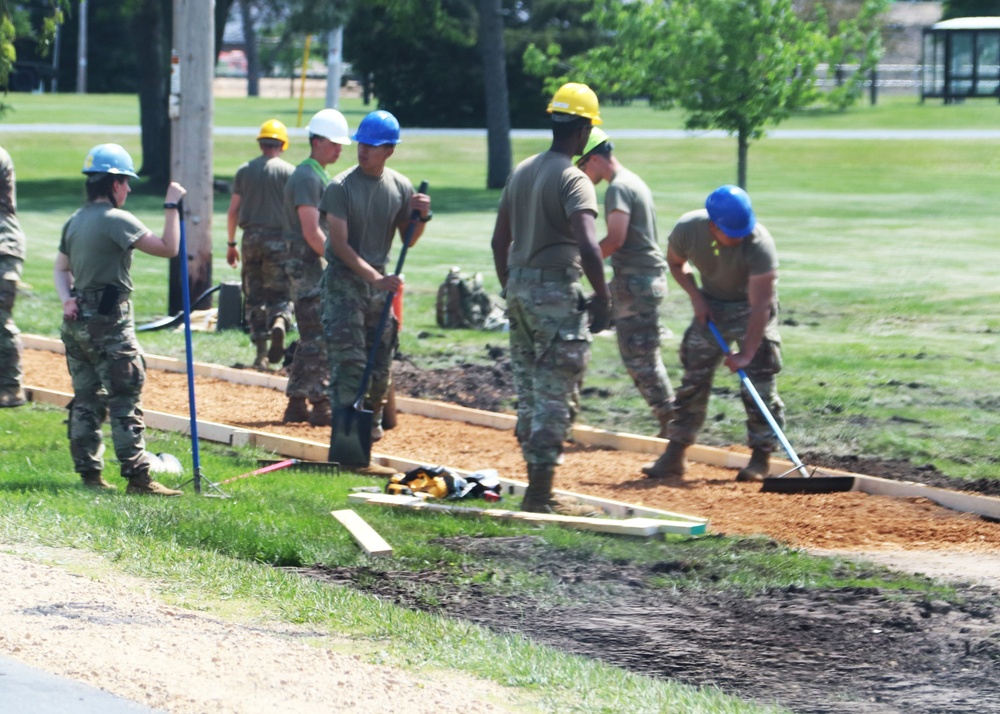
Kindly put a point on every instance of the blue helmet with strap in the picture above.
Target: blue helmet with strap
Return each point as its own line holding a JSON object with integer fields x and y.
{"x": 377, "y": 128}
{"x": 109, "y": 159}
{"x": 729, "y": 208}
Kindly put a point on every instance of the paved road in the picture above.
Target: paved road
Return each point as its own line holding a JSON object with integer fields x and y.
{"x": 845, "y": 134}
{"x": 32, "y": 691}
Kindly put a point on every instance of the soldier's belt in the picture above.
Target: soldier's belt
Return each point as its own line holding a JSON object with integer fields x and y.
{"x": 544, "y": 275}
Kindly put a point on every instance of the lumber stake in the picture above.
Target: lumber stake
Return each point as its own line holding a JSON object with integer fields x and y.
{"x": 366, "y": 536}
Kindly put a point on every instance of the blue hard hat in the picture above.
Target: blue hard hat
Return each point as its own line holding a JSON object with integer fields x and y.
{"x": 109, "y": 159}
{"x": 377, "y": 128}
{"x": 729, "y": 208}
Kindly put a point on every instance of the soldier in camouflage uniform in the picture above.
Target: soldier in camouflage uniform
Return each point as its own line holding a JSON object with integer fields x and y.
{"x": 11, "y": 267}
{"x": 305, "y": 233}
{"x": 544, "y": 237}
{"x": 256, "y": 206}
{"x": 738, "y": 263}
{"x": 92, "y": 277}
{"x": 365, "y": 207}
{"x": 640, "y": 273}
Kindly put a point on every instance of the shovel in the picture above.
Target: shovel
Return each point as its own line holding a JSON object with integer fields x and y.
{"x": 781, "y": 484}
{"x": 351, "y": 433}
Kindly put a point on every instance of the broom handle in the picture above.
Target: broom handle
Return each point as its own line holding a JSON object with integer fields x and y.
{"x": 384, "y": 318}
{"x": 760, "y": 404}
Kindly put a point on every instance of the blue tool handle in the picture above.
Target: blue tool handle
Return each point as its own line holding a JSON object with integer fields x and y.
{"x": 186, "y": 296}
{"x": 384, "y": 318}
{"x": 760, "y": 404}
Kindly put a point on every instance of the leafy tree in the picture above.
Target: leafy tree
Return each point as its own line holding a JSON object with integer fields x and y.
{"x": 970, "y": 8}
{"x": 30, "y": 22}
{"x": 735, "y": 66}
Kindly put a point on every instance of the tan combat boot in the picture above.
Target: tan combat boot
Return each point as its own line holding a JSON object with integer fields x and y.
{"x": 538, "y": 498}
{"x": 143, "y": 485}
{"x": 93, "y": 479}
{"x": 296, "y": 411}
{"x": 15, "y": 398}
{"x": 670, "y": 466}
{"x": 260, "y": 361}
{"x": 278, "y": 331}
{"x": 758, "y": 468}
{"x": 321, "y": 414}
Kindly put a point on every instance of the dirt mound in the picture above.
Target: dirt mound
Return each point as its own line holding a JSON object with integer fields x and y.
{"x": 486, "y": 387}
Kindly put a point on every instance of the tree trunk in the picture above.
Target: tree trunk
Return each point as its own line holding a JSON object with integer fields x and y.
{"x": 491, "y": 48}
{"x": 741, "y": 162}
{"x": 221, "y": 14}
{"x": 250, "y": 47}
{"x": 151, "y": 28}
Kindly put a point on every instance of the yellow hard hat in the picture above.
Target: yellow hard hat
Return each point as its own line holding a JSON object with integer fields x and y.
{"x": 274, "y": 129}
{"x": 578, "y": 100}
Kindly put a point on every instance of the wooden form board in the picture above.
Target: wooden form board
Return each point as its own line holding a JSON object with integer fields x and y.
{"x": 365, "y": 536}
{"x": 629, "y": 526}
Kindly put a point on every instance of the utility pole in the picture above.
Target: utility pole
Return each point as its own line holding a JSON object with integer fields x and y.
{"x": 191, "y": 112}
{"x": 334, "y": 66}
{"x": 81, "y": 52}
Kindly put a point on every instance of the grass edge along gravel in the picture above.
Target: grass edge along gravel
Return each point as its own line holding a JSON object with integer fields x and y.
{"x": 41, "y": 504}
{"x": 382, "y": 633}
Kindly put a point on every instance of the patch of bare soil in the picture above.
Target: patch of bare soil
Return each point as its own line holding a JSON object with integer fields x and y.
{"x": 817, "y": 651}
{"x": 813, "y": 650}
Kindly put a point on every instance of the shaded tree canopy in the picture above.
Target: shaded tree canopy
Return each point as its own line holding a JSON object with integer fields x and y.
{"x": 424, "y": 65}
{"x": 27, "y": 31}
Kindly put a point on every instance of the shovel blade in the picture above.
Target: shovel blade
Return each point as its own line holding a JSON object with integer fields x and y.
{"x": 351, "y": 436}
{"x": 815, "y": 484}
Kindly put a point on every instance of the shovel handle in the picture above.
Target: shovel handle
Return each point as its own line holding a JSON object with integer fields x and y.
{"x": 384, "y": 318}
{"x": 760, "y": 404}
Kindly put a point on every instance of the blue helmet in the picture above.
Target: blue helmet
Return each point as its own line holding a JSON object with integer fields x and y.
{"x": 109, "y": 159}
{"x": 377, "y": 128}
{"x": 729, "y": 208}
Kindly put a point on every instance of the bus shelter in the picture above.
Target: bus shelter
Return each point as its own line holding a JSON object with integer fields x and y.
{"x": 961, "y": 59}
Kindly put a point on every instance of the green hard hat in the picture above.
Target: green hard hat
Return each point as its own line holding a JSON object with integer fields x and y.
{"x": 597, "y": 137}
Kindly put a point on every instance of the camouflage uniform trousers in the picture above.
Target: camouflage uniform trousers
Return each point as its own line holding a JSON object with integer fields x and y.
{"x": 11, "y": 373}
{"x": 108, "y": 371}
{"x": 351, "y": 313}
{"x": 549, "y": 350}
{"x": 701, "y": 355}
{"x": 635, "y": 303}
{"x": 265, "y": 287}
{"x": 309, "y": 376}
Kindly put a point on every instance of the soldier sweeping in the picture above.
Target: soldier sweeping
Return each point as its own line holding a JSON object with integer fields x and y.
{"x": 544, "y": 238}
{"x": 11, "y": 269}
{"x": 93, "y": 278}
{"x": 639, "y": 284}
{"x": 256, "y": 206}
{"x": 738, "y": 263}
{"x": 305, "y": 233}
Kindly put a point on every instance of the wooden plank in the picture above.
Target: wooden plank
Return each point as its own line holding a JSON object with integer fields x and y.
{"x": 988, "y": 506}
{"x": 644, "y": 527}
{"x": 365, "y": 536}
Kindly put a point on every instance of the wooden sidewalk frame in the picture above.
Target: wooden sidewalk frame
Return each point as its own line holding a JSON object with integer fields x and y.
{"x": 987, "y": 506}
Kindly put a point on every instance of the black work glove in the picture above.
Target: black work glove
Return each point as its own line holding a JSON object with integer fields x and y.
{"x": 600, "y": 313}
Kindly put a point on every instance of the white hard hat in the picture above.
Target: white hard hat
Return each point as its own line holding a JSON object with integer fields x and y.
{"x": 330, "y": 124}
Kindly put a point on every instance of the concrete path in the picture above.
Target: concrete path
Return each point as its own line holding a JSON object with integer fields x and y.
{"x": 842, "y": 134}
{"x": 26, "y": 689}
